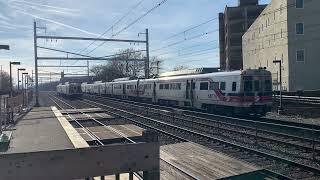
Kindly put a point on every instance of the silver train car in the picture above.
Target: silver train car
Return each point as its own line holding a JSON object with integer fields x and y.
{"x": 238, "y": 92}
{"x": 72, "y": 90}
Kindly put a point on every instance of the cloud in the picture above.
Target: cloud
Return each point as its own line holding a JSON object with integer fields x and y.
{"x": 58, "y": 23}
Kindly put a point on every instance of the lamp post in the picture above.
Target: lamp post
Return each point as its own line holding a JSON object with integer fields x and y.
{"x": 24, "y": 88}
{"x": 12, "y": 63}
{"x": 280, "y": 74}
{"x": 20, "y": 69}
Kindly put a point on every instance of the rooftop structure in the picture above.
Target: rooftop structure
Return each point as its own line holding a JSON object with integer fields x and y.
{"x": 190, "y": 72}
{"x": 233, "y": 23}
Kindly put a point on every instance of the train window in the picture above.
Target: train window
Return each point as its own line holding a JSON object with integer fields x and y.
{"x": 179, "y": 86}
{"x": 256, "y": 85}
{"x": 161, "y": 86}
{"x": 214, "y": 85}
{"x": 166, "y": 86}
{"x": 234, "y": 86}
{"x": 204, "y": 86}
{"x": 223, "y": 86}
{"x": 193, "y": 85}
{"x": 248, "y": 86}
{"x": 268, "y": 86}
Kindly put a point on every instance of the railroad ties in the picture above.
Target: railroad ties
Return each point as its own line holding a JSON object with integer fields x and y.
{"x": 80, "y": 139}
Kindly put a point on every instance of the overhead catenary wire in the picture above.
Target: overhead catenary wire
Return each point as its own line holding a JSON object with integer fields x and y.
{"x": 192, "y": 28}
{"x": 262, "y": 14}
{"x": 186, "y": 48}
{"x": 115, "y": 24}
{"x": 186, "y": 39}
{"x": 131, "y": 24}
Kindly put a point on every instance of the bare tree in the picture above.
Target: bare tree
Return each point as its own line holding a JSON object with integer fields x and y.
{"x": 4, "y": 82}
{"x": 155, "y": 66}
{"x": 123, "y": 66}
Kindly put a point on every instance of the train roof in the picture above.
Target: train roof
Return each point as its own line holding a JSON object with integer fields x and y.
{"x": 197, "y": 76}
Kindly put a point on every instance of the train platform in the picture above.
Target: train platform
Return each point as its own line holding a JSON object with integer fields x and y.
{"x": 31, "y": 133}
{"x": 44, "y": 145}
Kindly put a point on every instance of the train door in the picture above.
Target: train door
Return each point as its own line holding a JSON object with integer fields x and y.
{"x": 137, "y": 88}
{"x": 154, "y": 95}
{"x": 192, "y": 88}
{"x": 188, "y": 85}
{"x": 124, "y": 89}
{"x": 111, "y": 89}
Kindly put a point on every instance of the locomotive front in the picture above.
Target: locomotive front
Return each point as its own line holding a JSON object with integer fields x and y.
{"x": 257, "y": 91}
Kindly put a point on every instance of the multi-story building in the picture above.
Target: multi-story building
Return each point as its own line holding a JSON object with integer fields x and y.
{"x": 287, "y": 30}
{"x": 233, "y": 23}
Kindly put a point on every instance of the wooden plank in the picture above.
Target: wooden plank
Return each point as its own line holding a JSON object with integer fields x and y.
{"x": 203, "y": 162}
{"x": 80, "y": 163}
{"x": 73, "y": 135}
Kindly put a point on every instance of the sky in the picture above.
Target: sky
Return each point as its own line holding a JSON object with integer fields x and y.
{"x": 84, "y": 18}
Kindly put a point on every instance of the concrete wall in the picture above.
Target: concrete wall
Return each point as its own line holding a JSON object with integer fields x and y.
{"x": 305, "y": 75}
{"x": 266, "y": 40}
{"x": 277, "y": 39}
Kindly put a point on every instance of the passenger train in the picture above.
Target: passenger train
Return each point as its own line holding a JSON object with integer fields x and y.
{"x": 238, "y": 92}
{"x": 69, "y": 90}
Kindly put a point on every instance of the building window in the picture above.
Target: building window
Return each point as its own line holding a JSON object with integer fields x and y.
{"x": 300, "y": 55}
{"x": 299, "y": 28}
{"x": 299, "y": 4}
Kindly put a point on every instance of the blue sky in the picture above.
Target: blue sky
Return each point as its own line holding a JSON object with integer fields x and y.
{"x": 92, "y": 18}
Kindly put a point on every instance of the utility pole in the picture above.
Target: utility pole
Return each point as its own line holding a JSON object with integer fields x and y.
{"x": 147, "y": 58}
{"x": 36, "y": 61}
{"x": 88, "y": 70}
{"x": 280, "y": 74}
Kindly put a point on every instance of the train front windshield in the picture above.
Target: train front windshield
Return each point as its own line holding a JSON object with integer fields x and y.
{"x": 257, "y": 84}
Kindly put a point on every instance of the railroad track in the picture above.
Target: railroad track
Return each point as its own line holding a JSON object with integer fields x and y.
{"x": 303, "y": 138}
{"x": 300, "y": 99}
{"x": 290, "y": 166}
{"x": 208, "y": 115}
{"x": 99, "y": 141}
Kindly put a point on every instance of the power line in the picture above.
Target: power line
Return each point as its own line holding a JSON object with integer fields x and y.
{"x": 186, "y": 39}
{"x": 198, "y": 53}
{"x": 115, "y": 24}
{"x": 132, "y": 23}
{"x": 186, "y": 48}
{"x": 191, "y": 28}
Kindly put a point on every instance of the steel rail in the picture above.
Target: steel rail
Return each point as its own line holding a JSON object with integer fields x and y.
{"x": 309, "y": 140}
{"x": 287, "y": 161}
{"x": 130, "y": 140}
{"x": 264, "y": 121}
{"x": 89, "y": 132}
